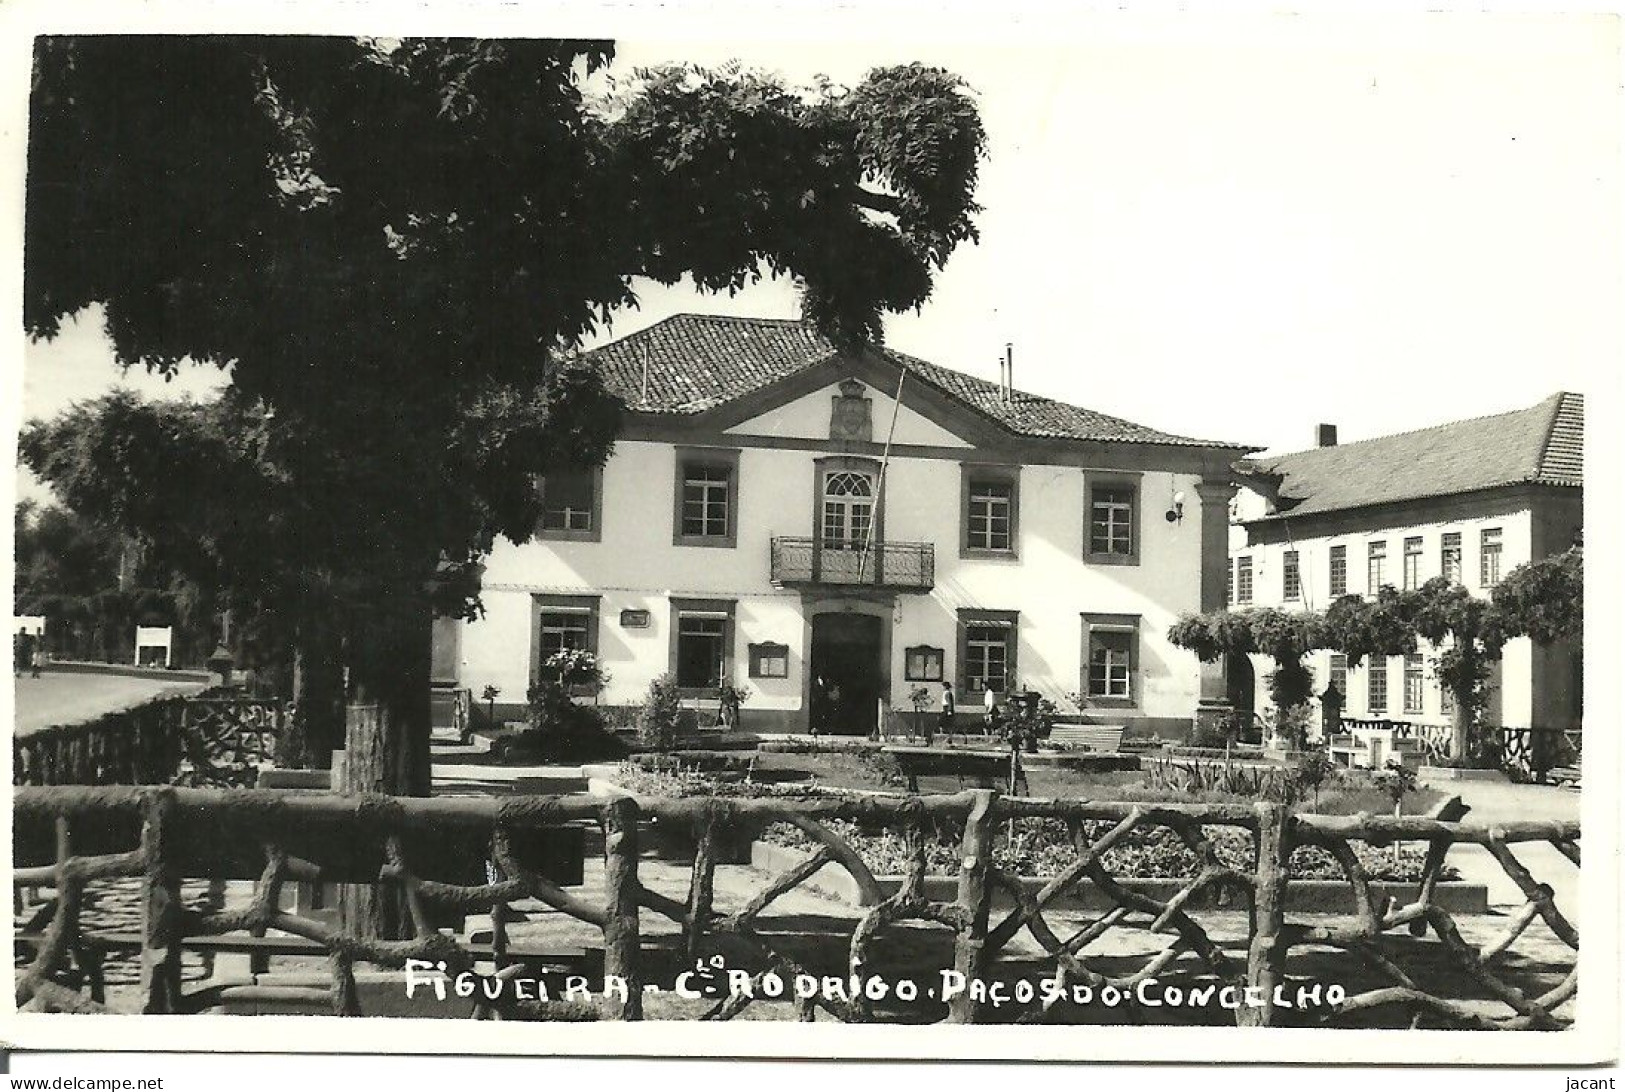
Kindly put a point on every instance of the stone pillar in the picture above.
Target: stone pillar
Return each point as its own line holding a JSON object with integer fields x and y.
{"x": 1213, "y": 701}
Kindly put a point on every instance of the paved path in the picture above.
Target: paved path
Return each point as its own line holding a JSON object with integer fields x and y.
{"x": 1498, "y": 802}
{"x": 72, "y": 697}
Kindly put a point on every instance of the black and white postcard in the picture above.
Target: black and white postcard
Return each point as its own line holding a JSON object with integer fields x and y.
{"x": 816, "y": 533}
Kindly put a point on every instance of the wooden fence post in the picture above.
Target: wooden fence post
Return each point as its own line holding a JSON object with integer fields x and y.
{"x": 975, "y": 898}
{"x": 1266, "y": 953}
{"x": 623, "y": 895}
{"x": 701, "y": 891}
{"x": 161, "y": 913}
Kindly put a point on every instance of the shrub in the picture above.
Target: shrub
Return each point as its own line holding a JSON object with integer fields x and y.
{"x": 1212, "y": 737}
{"x": 661, "y": 720}
{"x": 560, "y": 729}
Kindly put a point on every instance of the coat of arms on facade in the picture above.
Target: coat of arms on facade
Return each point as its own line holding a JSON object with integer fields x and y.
{"x": 849, "y": 417}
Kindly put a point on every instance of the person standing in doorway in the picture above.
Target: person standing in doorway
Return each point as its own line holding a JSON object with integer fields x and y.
{"x": 990, "y": 711}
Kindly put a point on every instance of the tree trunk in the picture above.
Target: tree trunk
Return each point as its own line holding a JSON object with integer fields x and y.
{"x": 1461, "y": 725}
{"x": 386, "y": 739}
{"x": 386, "y": 744}
{"x": 318, "y": 728}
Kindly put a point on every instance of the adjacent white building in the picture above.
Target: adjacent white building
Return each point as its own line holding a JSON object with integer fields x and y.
{"x": 1470, "y": 500}
{"x": 832, "y": 529}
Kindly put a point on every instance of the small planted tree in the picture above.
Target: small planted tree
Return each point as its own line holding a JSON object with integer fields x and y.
{"x": 1544, "y": 600}
{"x": 1397, "y": 780}
{"x": 1469, "y": 634}
{"x": 1314, "y": 769}
{"x": 661, "y": 717}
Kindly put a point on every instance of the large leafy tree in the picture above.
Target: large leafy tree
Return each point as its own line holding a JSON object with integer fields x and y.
{"x": 393, "y": 246}
{"x": 192, "y": 485}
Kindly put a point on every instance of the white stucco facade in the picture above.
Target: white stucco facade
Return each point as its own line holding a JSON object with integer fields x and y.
{"x": 1047, "y": 584}
{"x": 1531, "y": 687}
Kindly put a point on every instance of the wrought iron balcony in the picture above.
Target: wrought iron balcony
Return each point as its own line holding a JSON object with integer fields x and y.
{"x": 908, "y": 566}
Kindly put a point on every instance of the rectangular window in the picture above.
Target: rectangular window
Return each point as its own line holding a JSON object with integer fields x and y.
{"x": 1110, "y": 658}
{"x": 986, "y": 663}
{"x": 1291, "y": 580}
{"x": 1377, "y": 685}
{"x": 705, "y": 502}
{"x": 559, "y": 631}
{"x": 1413, "y": 683}
{"x": 1244, "y": 580}
{"x": 1340, "y": 571}
{"x": 560, "y": 623}
{"x": 1450, "y": 556}
{"x": 987, "y": 650}
{"x": 706, "y": 498}
{"x": 923, "y": 663}
{"x": 570, "y": 507}
{"x": 989, "y": 515}
{"x": 1489, "y": 557}
{"x": 1337, "y": 674}
{"x": 1108, "y": 665}
{"x": 1412, "y": 564}
{"x": 1111, "y": 520}
{"x": 1376, "y": 567}
{"x": 1111, "y": 530}
{"x": 769, "y": 661}
{"x": 1229, "y": 584}
{"x": 701, "y": 643}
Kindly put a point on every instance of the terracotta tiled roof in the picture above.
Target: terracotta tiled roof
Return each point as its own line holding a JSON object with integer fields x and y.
{"x": 1541, "y": 444}
{"x": 698, "y": 362}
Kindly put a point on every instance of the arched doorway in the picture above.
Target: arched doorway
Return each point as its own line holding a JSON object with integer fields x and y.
{"x": 847, "y": 670}
{"x": 1241, "y": 688}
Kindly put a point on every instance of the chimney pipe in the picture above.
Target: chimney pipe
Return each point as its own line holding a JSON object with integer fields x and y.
{"x": 1009, "y": 371}
{"x": 1325, "y": 435}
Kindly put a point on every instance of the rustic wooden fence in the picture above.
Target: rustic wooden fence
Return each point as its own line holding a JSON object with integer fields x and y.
{"x": 211, "y": 739}
{"x": 420, "y": 849}
{"x": 1526, "y": 753}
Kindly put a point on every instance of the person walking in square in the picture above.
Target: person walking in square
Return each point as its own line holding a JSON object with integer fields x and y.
{"x": 990, "y": 711}
{"x": 946, "y": 720}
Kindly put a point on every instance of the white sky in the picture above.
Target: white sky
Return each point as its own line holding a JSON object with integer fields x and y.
{"x": 1234, "y": 229}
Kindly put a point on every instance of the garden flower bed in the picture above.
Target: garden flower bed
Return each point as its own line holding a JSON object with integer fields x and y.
{"x": 1151, "y": 861}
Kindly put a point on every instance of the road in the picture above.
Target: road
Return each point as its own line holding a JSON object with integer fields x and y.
{"x": 71, "y": 697}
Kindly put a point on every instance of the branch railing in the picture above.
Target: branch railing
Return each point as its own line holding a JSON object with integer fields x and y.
{"x": 1526, "y": 752}
{"x": 211, "y": 739}
{"x": 420, "y": 850}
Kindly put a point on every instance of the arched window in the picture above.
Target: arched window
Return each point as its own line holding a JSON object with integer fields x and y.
{"x": 849, "y": 505}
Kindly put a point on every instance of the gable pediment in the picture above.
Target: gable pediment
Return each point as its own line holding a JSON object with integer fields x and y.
{"x": 828, "y": 412}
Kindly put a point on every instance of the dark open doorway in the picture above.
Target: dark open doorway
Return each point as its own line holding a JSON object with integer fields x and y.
{"x": 847, "y": 674}
{"x": 1241, "y": 689}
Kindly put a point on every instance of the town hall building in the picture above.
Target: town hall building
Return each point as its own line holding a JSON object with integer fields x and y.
{"x": 838, "y": 529}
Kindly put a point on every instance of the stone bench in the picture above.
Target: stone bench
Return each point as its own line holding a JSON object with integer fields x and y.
{"x": 1093, "y": 737}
